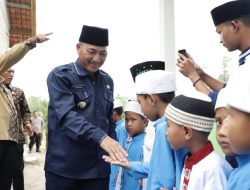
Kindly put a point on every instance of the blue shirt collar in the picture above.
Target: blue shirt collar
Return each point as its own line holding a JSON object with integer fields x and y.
{"x": 138, "y": 137}
{"x": 160, "y": 120}
{"x": 81, "y": 71}
{"x": 120, "y": 122}
{"x": 243, "y": 159}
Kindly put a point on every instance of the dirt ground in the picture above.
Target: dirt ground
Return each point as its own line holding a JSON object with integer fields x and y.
{"x": 34, "y": 178}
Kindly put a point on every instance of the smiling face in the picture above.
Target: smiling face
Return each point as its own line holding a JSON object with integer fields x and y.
{"x": 238, "y": 124}
{"x": 91, "y": 57}
{"x": 222, "y": 131}
{"x": 135, "y": 123}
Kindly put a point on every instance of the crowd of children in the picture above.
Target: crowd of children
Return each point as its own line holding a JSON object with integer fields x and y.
{"x": 181, "y": 156}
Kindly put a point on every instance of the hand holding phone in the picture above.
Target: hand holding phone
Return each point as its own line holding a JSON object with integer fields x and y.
{"x": 183, "y": 52}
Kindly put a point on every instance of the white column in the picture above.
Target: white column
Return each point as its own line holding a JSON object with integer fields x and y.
{"x": 4, "y": 27}
{"x": 167, "y": 33}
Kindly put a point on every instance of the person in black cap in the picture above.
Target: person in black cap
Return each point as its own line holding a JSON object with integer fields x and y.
{"x": 232, "y": 22}
{"x": 80, "y": 123}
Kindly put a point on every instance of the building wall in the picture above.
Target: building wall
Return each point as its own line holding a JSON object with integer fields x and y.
{"x": 4, "y": 27}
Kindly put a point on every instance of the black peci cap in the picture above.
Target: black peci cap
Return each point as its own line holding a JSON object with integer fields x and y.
{"x": 230, "y": 11}
{"x": 94, "y": 35}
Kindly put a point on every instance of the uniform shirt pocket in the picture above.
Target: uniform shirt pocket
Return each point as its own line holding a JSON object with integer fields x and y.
{"x": 81, "y": 97}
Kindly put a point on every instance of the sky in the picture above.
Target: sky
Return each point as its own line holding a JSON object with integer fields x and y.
{"x": 134, "y": 37}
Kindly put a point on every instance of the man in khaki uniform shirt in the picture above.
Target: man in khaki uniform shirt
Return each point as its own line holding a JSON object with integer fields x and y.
{"x": 9, "y": 130}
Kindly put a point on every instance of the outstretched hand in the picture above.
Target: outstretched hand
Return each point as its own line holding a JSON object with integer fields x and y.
{"x": 114, "y": 149}
{"x": 124, "y": 164}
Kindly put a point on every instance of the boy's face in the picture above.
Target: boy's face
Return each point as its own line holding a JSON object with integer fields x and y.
{"x": 238, "y": 124}
{"x": 228, "y": 35}
{"x": 147, "y": 107}
{"x": 175, "y": 134}
{"x": 222, "y": 130}
{"x": 135, "y": 124}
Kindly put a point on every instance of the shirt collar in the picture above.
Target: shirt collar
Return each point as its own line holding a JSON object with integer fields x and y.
{"x": 243, "y": 159}
{"x": 81, "y": 71}
{"x": 120, "y": 122}
{"x": 160, "y": 120}
{"x": 138, "y": 137}
{"x": 198, "y": 156}
{"x": 243, "y": 56}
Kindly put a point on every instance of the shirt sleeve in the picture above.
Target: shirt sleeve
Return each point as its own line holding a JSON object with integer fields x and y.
{"x": 213, "y": 95}
{"x": 71, "y": 122}
{"x": 12, "y": 56}
{"x": 139, "y": 169}
{"x": 24, "y": 108}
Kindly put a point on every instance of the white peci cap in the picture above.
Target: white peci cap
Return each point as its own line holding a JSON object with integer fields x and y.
{"x": 155, "y": 82}
{"x": 221, "y": 99}
{"x": 117, "y": 103}
{"x": 134, "y": 106}
{"x": 238, "y": 88}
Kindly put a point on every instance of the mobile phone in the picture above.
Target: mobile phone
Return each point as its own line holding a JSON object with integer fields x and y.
{"x": 183, "y": 52}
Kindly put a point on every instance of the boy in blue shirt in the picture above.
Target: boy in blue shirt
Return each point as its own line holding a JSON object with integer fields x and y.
{"x": 135, "y": 123}
{"x": 238, "y": 124}
{"x": 121, "y": 134}
{"x": 155, "y": 89}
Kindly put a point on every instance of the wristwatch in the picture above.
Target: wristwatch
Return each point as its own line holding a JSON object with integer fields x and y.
{"x": 30, "y": 43}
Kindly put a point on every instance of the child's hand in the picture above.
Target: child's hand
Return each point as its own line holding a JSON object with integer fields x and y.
{"x": 124, "y": 164}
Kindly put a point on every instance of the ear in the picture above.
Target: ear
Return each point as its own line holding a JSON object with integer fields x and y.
{"x": 152, "y": 98}
{"x": 78, "y": 46}
{"x": 235, "y": 24}
{"x": 145, "y": 122}
{"x": 114, "y": 114}
{"x": 188, "y": 132}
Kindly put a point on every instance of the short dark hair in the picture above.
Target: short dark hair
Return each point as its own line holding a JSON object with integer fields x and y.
{"x": 118, "y": 110}
{"x": 245, "y": 20}
{"x": 166, "y": 97}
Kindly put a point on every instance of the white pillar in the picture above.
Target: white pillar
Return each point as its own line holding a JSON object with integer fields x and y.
{"x": 167, "y": 33}
{"x": 4, "y": 27}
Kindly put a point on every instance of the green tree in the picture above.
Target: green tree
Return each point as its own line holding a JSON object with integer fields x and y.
{"x": 224, "y": 75}
{"x": 39, "y": 104}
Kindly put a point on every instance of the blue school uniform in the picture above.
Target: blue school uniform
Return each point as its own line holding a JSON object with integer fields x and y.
{"x": 135, "y": 153}
{"x": 120, "y": 129}
{"x": 164, "y": 169}
{"x": 122, "y": 136}
{"x": 239, "y": 177}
